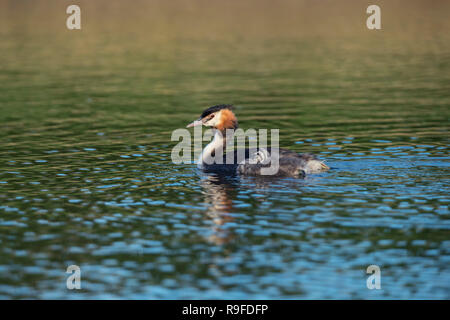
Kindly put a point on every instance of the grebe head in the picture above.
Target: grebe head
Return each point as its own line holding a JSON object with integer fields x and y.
{"x": 219, "y": 117}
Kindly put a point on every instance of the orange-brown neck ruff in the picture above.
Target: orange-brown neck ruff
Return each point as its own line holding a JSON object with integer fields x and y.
{"x": 227, "y": 120}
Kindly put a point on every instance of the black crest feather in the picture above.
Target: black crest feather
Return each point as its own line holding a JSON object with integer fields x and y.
{"x": 215, "y": 109}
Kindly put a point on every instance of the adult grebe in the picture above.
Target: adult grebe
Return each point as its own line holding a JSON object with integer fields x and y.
{"x": 222, "y": 119}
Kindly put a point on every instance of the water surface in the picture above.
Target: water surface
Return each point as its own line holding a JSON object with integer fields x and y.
{"x": 86, "y": 175}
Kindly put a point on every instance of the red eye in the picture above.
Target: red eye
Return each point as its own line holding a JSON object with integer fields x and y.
{"x": 211, "y": 117}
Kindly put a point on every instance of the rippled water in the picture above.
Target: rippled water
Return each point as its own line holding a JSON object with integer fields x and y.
{"x": 86, "y": 176}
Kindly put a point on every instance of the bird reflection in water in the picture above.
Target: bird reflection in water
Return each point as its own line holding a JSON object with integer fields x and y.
{"x": 219, "y": 192}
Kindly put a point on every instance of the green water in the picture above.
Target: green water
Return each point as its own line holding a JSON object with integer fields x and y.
{"x": 86, "y": 175}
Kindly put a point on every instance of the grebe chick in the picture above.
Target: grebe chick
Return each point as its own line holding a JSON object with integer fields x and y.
{"x": 222, "y": 120}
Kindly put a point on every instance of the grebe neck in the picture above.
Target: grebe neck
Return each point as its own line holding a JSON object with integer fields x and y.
{"x": 213, "y": 150}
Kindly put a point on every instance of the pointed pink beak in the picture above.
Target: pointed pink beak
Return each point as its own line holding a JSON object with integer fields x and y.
{"x": 195, "y": 123}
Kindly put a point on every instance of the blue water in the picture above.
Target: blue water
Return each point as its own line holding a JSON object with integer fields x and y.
{"x": 86, "y": 176}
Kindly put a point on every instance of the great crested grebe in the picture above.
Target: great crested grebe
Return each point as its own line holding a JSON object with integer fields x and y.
{"x": 222, "y": 120}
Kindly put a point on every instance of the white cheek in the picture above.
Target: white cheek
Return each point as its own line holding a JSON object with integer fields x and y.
{"x": 213, "y": 121}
